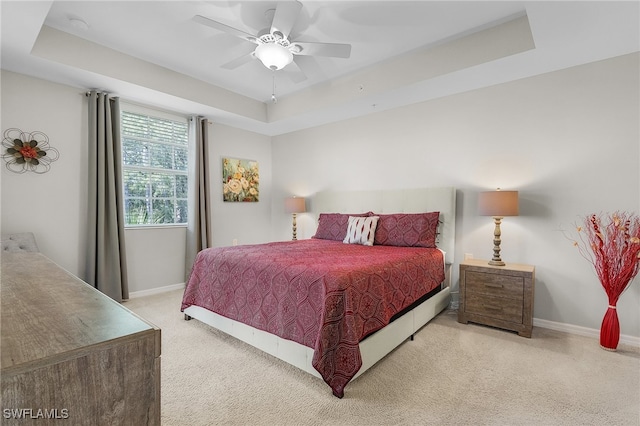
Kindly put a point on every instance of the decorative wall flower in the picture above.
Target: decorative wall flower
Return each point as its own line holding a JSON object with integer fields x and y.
{"x": 27, "y": 151}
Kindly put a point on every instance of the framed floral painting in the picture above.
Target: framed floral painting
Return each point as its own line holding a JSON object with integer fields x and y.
{"x": 240, "y": 180}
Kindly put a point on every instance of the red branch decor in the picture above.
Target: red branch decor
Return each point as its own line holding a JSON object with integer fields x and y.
{"x": 611, "y": 243}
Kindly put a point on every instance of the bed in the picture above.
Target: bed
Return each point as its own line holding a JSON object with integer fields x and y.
{"x": 330, "y": 308}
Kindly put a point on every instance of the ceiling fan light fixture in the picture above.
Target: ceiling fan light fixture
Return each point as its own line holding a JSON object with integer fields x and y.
{"x": 273, "y": 55}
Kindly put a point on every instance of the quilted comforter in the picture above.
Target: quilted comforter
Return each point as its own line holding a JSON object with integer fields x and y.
{"x": 322, "y": 294}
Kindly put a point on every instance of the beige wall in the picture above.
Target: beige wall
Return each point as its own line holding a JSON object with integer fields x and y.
{"x": 53, "y": 205}
{"x": 568, "y": 141}
{"x": 247, "y": 223}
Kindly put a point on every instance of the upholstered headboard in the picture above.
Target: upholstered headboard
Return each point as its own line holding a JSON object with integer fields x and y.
{"x": 417, "y": 200}
{"x": 23, "y": 241}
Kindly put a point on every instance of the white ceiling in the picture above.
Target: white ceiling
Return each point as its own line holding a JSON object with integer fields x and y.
{"x": 167, "y": 60}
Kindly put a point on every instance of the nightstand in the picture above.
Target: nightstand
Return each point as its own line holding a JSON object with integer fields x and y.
{"x": 499, "y": 296}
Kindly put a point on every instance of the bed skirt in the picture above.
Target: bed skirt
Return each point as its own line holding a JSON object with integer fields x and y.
{"x": 375, "y": 347}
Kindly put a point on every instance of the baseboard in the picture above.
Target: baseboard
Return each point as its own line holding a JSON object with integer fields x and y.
{"x": 157, "y": 290}
{"x": 583, "y": 331}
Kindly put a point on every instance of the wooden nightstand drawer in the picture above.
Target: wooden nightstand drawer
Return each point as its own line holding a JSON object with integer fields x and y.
{"x": 499, "y": 296}
{"x": 495, "y": 285}
{"x": 496, "y": 307}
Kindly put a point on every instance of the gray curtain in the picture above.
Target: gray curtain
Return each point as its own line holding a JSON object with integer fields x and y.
{"x": 198, "y": 228}
{"x": 106, "y": 257}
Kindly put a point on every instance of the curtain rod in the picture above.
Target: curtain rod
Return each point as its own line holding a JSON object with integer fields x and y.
{"x": 142, "y": 105}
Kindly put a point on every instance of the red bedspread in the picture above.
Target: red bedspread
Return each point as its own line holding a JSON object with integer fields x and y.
{"x": 323, "y": 294}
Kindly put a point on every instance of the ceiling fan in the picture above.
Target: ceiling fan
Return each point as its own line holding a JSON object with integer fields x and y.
{"x": 274, "y": 48}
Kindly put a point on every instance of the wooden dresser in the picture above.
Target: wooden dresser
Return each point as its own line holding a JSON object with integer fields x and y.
{"x": 499, "y": 296}
{"x": 70, "y": 354}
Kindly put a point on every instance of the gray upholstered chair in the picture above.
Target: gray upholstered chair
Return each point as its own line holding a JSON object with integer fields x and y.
{"x": 23, "y": 241}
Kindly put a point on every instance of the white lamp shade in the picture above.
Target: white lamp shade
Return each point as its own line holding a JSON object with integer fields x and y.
{"x": 273, "y": 56}
{"x": 498, "y": 203}
{"x": 294, "y": 205}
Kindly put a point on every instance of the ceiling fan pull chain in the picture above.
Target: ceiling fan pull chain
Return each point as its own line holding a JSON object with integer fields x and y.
{"x": 273, "y": 92}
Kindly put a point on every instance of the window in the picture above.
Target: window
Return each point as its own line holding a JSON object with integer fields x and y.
{"x": 154, "y": 157}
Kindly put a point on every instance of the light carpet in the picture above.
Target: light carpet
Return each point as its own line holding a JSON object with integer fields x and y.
{"x": 450, "y": 374}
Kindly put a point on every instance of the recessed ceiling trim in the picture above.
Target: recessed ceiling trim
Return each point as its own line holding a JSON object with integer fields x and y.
{"x": 484, "y": 46}
{"x": 67, "y": 49}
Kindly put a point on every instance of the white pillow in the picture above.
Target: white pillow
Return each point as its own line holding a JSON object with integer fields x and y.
{"x": 361, "y": 230}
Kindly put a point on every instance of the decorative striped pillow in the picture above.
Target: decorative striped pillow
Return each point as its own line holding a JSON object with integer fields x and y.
{"x": 361, "y": 230}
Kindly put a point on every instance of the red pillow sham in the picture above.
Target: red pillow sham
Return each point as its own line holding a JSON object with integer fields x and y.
{"x": 407, "y": 229}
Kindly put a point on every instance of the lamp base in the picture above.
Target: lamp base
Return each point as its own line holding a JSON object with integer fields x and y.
{"x": 496, "y": 260}
{"x": 295, "y": 235}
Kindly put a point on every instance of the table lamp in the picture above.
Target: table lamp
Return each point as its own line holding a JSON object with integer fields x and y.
{"x": 498, "y": 204}
{"x": 294, "y": 205}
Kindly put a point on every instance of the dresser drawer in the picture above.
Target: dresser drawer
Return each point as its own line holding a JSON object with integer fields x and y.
{"x": 496, "y": 307}
{"x": 495, "y": 285}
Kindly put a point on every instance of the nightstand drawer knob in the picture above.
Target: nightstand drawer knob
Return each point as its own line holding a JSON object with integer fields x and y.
{"x": 493, "y": 285}
{"x": 492, "y": 308}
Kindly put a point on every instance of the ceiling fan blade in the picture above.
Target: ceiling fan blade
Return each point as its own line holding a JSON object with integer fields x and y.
{"x": 285, "y": 17}
{"x": 295, "y": 73}
{"x": 310, "y": 67}
{"x": 239, "y": 61}
{"x": 225, "y": 28}
{"x": 335, "y": 50}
